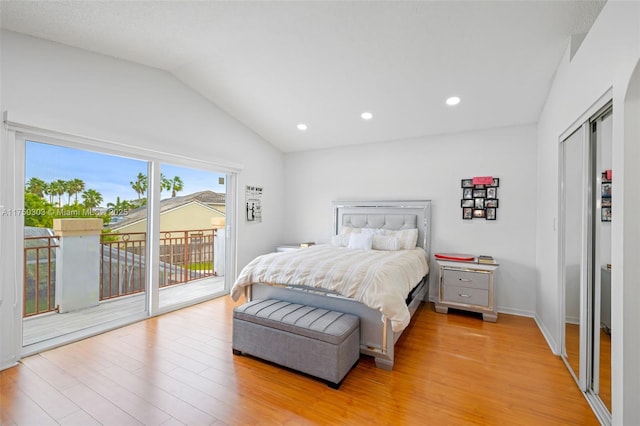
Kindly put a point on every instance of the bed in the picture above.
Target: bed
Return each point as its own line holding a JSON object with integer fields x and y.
{"x": 394, "y": 282}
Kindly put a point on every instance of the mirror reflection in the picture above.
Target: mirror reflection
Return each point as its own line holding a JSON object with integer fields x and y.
{"x": 573, "y": 150}
{"x": 587, "y": 211}
{"x": 602, "y": 139}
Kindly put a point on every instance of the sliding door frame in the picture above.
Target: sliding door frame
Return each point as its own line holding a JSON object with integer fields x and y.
{"x": 589, "y": 282}
{"x": 12, "y": 162}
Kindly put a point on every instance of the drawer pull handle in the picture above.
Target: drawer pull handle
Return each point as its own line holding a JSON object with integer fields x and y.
{"x": 464, "y": 295}
{"x": 467, "y": 280}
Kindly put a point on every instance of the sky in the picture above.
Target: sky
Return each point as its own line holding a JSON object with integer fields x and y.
{"x": 110, "y": 175}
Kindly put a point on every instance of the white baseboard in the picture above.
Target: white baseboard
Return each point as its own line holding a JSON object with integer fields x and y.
{"x": 553, "y": 345}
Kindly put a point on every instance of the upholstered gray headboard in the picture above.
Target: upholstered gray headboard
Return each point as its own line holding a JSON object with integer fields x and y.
{"x": 380, "y": 221}
{"x": 392, "y": 215}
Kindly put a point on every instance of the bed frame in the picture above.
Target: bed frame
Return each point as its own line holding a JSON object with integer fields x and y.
{"x": 376, "y": 336}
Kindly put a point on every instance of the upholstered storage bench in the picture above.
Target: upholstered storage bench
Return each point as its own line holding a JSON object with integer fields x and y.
{"x": 318, "y": 342}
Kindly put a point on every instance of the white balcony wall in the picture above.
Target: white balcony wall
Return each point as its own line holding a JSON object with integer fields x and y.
{"x": 77, "y": 263}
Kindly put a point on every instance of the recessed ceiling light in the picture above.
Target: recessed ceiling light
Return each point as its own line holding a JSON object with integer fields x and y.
{"x": 366, "y": 116}
{"x": 302, "y": 127}
{"x": 453, "y": 100}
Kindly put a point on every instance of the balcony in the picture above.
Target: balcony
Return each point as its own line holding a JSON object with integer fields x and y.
{"x": 188, "y": 271}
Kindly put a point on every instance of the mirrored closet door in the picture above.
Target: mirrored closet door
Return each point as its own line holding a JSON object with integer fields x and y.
{"x": 574, "y": 270}
{"x": 601, "y": 136}
{"x": 587, "y": 203}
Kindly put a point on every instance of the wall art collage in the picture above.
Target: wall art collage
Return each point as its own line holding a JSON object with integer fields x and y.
{"x": 480, "y": 198}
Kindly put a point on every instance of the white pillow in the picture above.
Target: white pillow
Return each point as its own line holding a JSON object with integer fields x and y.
{"x": 346, "y": 230}
{"x": 408, "y": 237}
{"x": 340, "y": 240}
{"x": 373, "y": 231}
{"x": 383, "y": 242}
{"x": 360, "y": 241}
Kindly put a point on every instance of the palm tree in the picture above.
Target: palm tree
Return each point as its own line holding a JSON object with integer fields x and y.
{"x": 74, "y": 187}
{"x": 176, "y": 185}
{"x": 92, "y": 198}
{"x": 53, "y": 190}
{"x": 120, "y": 205}
{"x": 140, "y": 184}
{"x": 58, "y": 187}
{"x": 165, "y": 183}
{"x": 48, "y": 191}
{"x": 36, "y": 186}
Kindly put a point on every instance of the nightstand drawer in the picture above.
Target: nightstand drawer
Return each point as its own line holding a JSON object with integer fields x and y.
{"x": 467, "y": 279}
{"x": 471, "y": 296}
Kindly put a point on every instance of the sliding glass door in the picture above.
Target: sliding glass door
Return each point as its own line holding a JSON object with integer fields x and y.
{"x": 192, "y": 227}
{"x": 110, "y": 239}
{"x": 80, "y": 271}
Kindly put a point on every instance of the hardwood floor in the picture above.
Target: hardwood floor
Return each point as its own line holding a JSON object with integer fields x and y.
{"x": 605, "y": 369}
{"x": 178, "y": 369}
{"x": 572, "y": 337}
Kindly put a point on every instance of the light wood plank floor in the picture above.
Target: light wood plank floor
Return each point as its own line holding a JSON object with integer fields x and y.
{"x": 572, "y": 336}
{"x": 178, "y": 369}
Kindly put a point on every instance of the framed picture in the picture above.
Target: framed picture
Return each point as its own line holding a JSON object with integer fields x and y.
{"x": 605, "y": 177}
{"x": 606, "y": 214}
{"x": 254, "y": 203}
{"x": 481, "y": 200}
{"x": 606, "y": 202}
{"x": 479, "y": 193}
{"x": 491, "y": 202}
{"x": 478, "y": 213}
{"x": 606, "y": 190}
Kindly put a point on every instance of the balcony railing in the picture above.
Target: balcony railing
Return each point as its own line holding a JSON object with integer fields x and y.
{"x": 122, "y": 264}
{"x": 39, "y": 274}
{"x": 184, "y": 256}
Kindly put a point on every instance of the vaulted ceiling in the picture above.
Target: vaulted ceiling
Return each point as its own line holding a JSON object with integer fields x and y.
{"x": 274, "y": 65}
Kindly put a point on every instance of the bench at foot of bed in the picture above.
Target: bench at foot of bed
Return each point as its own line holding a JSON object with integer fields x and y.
{"x": 318, "y": 342}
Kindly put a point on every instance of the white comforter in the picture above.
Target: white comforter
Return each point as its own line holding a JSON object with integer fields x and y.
{"x": 381, "y": 280}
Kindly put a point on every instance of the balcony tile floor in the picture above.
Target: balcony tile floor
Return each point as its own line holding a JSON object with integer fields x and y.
{"x": 47, "y": 326}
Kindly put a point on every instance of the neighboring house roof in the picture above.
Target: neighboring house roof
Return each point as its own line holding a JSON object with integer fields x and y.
{"x": 32, "y": 231}
{"x": 207, "y": 199}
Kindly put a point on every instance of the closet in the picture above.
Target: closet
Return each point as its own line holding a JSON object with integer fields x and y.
{"x": 587, "y": 207}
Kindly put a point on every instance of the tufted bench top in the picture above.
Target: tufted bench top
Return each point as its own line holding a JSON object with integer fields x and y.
{"x": 315, "y": 323}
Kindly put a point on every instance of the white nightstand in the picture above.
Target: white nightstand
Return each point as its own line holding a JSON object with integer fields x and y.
{"x": 468, "y": 286}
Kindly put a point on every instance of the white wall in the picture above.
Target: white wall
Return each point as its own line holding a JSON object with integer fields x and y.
{"x": 431, "y": 168}
{"x": 66, "y": 89}
{"x": 61, "y": 88}
{"x": 605, "y": 60}
{"x": 627, "y": 349}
